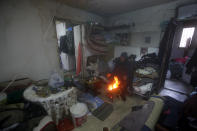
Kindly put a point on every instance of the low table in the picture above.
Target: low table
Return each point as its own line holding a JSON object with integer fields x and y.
{"x": 57, "y": 105}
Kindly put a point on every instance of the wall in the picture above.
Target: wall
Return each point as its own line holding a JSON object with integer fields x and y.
{"x": 147, "y": 23}
{"x": 178, "y": 52}
{"x": 28, "y": 42}
{"x": 132, "y": 50}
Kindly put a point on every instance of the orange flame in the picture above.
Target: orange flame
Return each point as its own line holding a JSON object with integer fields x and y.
{"x": 115, "y": 84}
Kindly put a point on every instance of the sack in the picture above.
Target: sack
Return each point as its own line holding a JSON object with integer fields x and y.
{"x": 56, "y": 80}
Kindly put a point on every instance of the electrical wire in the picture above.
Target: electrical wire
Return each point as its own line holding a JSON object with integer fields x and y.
{"x": 13, "y": 80}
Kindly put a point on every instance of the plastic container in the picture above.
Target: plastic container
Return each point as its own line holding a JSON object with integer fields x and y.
{"x": 65, "y": 125}
{"x": 79, "y": 114}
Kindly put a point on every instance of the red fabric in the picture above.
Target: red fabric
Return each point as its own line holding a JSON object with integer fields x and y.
{"x": 79, "y": 59}
{"x": 65, "y": 125}
{"x": 181, "y": 60}
{"x": 167, "y": 112}
{"x": 45, "y": 126}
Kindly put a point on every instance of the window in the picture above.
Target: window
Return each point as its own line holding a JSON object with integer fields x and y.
{"x": 186, "y": 37}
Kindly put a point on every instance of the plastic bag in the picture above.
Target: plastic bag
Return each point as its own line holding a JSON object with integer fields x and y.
{"x": 56, "y": 80}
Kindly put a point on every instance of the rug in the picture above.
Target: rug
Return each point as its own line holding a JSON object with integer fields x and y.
{"x": 103, "y": 111}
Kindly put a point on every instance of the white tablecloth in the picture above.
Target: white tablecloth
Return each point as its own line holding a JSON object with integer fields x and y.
{"x": 57, "y": 105}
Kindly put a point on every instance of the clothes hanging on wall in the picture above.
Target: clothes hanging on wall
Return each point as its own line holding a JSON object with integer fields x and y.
{"x": 192, "y": 69}
{"x": 97, "y": 47}
{"x": 192, "y": 63}
{"x": 68, "y": 61}
{"x": 194, "y": 39}
{"x": 79, "y": 59}
{"x": 67, "y": 43}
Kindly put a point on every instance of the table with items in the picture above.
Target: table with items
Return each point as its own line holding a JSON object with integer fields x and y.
{"x": 56, "y": 103}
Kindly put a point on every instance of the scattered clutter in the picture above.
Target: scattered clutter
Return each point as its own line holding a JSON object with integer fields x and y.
{"x": 57, "y": 105}
{"x": 65, "y": 125}
{"x": 22, "y": 116}
{"x": 91, "y": 101}
{"x": 79, "y": 113}
{"x": 56, "y": 80}
{"x": 103, "y": 111}
{"x": 144, "y": 88}
{"x": 46, "y": 124}
{"x": 146, "y": 75}
{"x": 98, "y": 37}
{"x": 143, "y": 117}
{"x": 116, "y": 66}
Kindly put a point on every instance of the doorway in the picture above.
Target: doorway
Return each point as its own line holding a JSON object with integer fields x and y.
{"x": 66, "y": 48}
{"x": 178, "y": 79}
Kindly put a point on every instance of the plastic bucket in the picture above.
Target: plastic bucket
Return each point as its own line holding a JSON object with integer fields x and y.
{"x": 79, "y": 114}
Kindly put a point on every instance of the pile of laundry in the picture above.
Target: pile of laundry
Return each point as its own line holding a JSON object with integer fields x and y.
{"x": 95, "y": 41}
{"x": 149, "y": 60}
{"x": 99, "y": 37}
{"x": 24, "y": 115}
{"x": 146, "y": 74}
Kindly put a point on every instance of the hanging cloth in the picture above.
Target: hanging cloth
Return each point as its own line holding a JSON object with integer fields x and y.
{"x": 67, "y": 43}
{"x": 79, "y": 59}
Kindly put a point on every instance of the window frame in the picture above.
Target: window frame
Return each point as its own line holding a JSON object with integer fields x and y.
{"x": 182, "y": 34}
{"x": 186, "y": 24}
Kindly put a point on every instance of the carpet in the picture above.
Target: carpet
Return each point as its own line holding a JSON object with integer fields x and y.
{"x": 103, "y": 111}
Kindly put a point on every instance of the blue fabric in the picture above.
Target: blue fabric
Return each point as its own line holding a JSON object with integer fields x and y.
{"x": 145, "y": 128}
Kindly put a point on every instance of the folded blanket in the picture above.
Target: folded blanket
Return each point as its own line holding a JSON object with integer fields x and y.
{"x": 136, "y": 119}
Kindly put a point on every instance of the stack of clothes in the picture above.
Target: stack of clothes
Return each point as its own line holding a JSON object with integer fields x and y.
{"x": 142, "y": 117}
{"x": 146, "y": 75}
{"x": 24, "y": 115}
{"x": 178, "y": 116}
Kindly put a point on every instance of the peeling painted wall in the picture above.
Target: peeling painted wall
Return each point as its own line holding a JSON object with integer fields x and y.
{"x": 27, "y": 36}
{"x": 146, "y": 23}
{"x": 112, "y": 7}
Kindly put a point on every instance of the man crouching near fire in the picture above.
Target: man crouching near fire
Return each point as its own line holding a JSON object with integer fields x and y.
{"x": 124, "y": 70}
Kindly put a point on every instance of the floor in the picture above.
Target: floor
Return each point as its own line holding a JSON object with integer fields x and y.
{"x": 176, "y": 89}
{"x": 173, "y": 88}
{"x": 178, "y": 86}
{"x": 121, "y": 109}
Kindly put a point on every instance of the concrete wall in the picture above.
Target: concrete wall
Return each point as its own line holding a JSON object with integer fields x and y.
{"x": 146, "y": 23}
{"x": 133, "y": 50}
{"x": 28, "y": 41}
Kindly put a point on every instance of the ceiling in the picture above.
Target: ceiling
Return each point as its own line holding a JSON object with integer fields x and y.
{"x": 112, "y": 7}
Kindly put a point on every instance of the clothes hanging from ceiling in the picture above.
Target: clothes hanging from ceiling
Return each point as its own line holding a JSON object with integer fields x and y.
{"x": 97, "y": 47}
{"x": 67, "y": 43}
{"x": 79, "y": 59}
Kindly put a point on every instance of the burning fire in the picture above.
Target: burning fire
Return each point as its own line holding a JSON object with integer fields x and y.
{"x": 115, "y": 84}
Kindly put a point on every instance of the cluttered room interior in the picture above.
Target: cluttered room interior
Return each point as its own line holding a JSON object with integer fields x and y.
{"x": 98, "y": 65}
